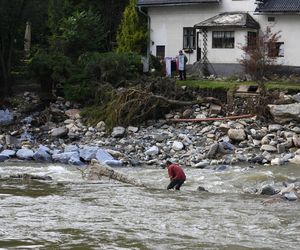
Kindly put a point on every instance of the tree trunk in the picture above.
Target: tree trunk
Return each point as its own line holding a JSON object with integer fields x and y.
{"x": 96, "y": 170}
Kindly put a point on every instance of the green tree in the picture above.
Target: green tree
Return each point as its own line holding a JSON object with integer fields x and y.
{"x": 11, "y": 17}
{"x": 132, "y": 34}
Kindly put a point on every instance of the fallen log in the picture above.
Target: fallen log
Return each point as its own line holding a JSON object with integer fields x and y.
{"x": 212, "y": 118}
{"x": 96, "y": 170}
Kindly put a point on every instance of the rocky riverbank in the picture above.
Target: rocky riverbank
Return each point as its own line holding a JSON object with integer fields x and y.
{"x": 58, "y": 134}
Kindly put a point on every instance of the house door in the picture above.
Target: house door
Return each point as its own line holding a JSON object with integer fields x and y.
{"x": 198, "y": 46}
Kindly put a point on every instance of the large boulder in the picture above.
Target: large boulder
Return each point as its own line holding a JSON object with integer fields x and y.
{"x": 42, "y": 155}
{"x": 8, "y": 153}
{"x": 25, "y": 154}
{"x": 64, "y": 157}
{"x": 104, "y": 157}
{"x": 154, "y": 150}
{"x": 88, "y": 153}
{"x": 285, "y": 113}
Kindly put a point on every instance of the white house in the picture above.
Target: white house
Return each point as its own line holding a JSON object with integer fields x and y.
{"x": 215, "y": 30}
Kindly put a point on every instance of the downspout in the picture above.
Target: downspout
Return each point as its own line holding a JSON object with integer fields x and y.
{"x": 146, "y": 63}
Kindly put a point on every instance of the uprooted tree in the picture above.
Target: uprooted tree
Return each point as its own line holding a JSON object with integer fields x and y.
{"x": 260, "y": 59}
{"x": 141, "y": 102}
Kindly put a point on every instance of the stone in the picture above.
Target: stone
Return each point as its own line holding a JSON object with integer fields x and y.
{"x": 41, "y": 155}
{"x": 118, "y": 132}
{"x": 295, "y": 160}
{"x": 25, "y": 154}
{"x": 132, "y": 129}
{"x": 224, "y": 128}
{"x": 8, "y": 152}
{"x": 88, "y": 153}
{"x": 101, "y": 126}
{"x": 177, "y": 145}
{"x": 75, "y": 160}
{"x": 154, "y": 150}
{"x": 215, "y": 109}
{"x": 285, "y": 113}
{"x": 268, "y": 190}
{"x": 64, "y": 157}
{"x": 290, "y": 196}
{"x": 3, "y": 158}
{"x": 187, "y": 113}
{"x": 6, "y": 117}
{"x": 59, "y": 132}
{"x": 226, "y": 147}
{"x": 296, "y": 97}
{"x": 265, "y": 140}
{"x": 237, "y": 134}
{"x": 202, "y": 164}
{"x": 71, "y": 148}
{"x": 296, "y": 141}
{"x": 296, "y": 130}
{"x": 72, "y": 113}
{"x": 268, "y": 148}
{"x": 280, "y": 148}
{"x": 276, "y": 161}
{"x": 212, "y": 151}
{"x": 201, "y": 189}
{"x": 275, "y": 127}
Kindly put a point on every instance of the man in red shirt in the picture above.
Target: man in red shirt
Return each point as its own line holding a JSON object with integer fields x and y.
{"x": 176, "y": 175}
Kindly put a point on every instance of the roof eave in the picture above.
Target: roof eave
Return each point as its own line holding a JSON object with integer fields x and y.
{"x": 277, "y": 12}
{"x": 176, "y": 4}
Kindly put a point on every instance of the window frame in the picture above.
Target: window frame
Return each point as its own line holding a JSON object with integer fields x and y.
{"x": 160, "y": 51}
{"x": 189, "y": 38}
{"x": 223, "y": 39}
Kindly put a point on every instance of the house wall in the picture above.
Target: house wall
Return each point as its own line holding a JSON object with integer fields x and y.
{"x": 167, "y": 25}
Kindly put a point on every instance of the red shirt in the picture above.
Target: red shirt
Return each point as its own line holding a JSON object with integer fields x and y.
{"x": 175, "y": 172}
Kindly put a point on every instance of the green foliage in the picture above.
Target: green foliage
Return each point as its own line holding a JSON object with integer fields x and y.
{"x": 156, "y": 64}
{"x": 82, "y": 93}
{"x": 110, "y": 67}
{"x": 81, "y": 32}
{"x": 50, "y": 70}
{"x": 132, "y": 35}
{"x": 54, "y": 66}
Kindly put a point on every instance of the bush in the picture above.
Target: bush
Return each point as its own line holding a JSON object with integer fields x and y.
{"x": 110, "y": 67}
{"x": 50, "y": 70}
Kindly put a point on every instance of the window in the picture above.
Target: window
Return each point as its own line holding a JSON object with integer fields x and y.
{"x": 252, "y": 39}
{"x": 276, "y": 49}
{"x": 271, "y": 19}
{"x": 189, "y": 35}
{"x": 223, "y": 39}
{"x": 160, "y": 51}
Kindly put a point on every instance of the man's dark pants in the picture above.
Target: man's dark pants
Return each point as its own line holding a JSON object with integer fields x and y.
{"x": 175, "y": 183}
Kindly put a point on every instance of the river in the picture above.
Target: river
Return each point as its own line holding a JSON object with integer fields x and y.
{"x": 72, "y": 213}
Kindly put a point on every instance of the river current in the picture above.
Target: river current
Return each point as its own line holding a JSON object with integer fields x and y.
{"x": 72, "y": 213}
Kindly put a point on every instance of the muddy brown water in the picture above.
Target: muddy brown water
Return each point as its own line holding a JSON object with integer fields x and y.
{"x": 72, "y": 213}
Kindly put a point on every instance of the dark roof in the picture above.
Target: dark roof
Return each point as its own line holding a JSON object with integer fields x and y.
{"x": 148, "y": 3}
{"x": 278, "y": 6}
{"x": 230, "y": 20}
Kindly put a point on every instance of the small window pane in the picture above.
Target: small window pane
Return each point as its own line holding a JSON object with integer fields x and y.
{"x": 189, "y": 36}
{"x": 223, "y": 39}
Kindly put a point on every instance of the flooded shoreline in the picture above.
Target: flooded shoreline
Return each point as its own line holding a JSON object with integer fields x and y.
{"x": 70, "y": 213}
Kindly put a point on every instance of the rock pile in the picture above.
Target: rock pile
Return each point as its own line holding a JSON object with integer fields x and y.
{"x": 58, "y": 134}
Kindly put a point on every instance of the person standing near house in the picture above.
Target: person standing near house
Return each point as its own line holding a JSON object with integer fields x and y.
{"x": 176, "y": 174}
{"x": 182, "y": 60}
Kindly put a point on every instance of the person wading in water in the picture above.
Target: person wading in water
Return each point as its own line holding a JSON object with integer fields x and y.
{"x": 176, "y": 174}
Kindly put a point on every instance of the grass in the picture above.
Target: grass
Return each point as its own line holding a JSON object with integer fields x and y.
{"x": 230, "y": 85}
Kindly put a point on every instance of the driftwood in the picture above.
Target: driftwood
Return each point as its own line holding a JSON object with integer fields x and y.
{"x": 96, "y": 170}
{"x": 187, "y": 103}
{"x": 212, "y": 119}
{"x": 28, "y": 177}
